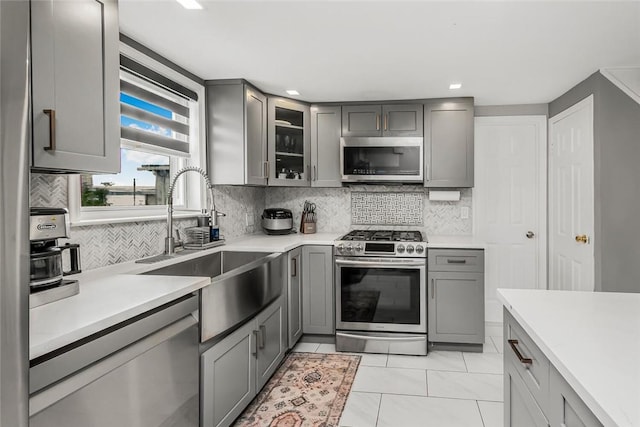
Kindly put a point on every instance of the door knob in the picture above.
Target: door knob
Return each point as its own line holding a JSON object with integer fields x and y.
{"x": 582, "y": 238}
{"x": 530, "y": 234}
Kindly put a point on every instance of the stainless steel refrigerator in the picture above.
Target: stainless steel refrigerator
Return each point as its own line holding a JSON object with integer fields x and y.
{"x": 14, "y": 213}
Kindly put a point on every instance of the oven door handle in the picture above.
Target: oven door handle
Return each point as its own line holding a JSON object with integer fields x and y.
{"x": 381, "y": 262}
{"x": 371, "y": 337}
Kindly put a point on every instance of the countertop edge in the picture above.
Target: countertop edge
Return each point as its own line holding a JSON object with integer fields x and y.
{"x": 593, "y": 405}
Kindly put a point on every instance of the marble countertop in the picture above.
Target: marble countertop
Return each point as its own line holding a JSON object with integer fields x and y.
{"x": 593, "y": 340}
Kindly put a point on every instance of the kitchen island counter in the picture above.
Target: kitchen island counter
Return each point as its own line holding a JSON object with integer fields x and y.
{"x": 592, "y": 339}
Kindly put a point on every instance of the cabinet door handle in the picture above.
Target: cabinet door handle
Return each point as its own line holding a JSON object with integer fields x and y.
{"x": 377, "y": 121}
{"x": 266, "y": 170}
{"x": 254, "y": 347}
{"x": 52, "y": 129}
{"x": 315, "y": 173}
{"x": 433, "y": 289}
{"x": 456, "y": 261}
{"x": 386, "y": 120}
{"x": 522, "y": 359}
{"x": 295, "y": 267}
{"x": 263, "y": 336}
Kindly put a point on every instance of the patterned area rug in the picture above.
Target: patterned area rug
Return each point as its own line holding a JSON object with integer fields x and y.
{"x": 308, "y": 390}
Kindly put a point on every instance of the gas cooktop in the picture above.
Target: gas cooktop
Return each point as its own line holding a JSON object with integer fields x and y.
{"x": 383, "y": 235}
{"x": 382, "y": 243}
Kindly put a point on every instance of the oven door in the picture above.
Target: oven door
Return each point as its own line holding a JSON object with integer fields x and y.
{"x": 381, "y": 294}
{"x": 381, "y": 159}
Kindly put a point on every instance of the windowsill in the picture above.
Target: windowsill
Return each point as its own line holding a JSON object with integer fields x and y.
{"x": 139, "y": 218}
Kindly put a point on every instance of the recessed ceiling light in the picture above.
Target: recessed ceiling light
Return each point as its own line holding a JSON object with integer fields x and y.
{"x": 190, "y": 4}
{"x": 455, "y": 85}
{"x": 293, "y": 92}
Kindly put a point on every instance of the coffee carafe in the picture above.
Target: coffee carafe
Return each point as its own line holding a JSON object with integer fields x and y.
{"x": 46, "y": 281}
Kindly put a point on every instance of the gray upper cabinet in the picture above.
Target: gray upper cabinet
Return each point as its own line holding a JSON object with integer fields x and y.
{"x": 75, "y": 86}
{"x": 289, "y": 143}
{"x": 236, "y": 133}
{"x": 448, "y": 144}
{"x": 382, "y": 120}
{"x": 325, "y": 146}
{"x": 317, "y": 290}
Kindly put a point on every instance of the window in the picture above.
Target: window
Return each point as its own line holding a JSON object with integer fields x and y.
{"x": 160, "y": 133}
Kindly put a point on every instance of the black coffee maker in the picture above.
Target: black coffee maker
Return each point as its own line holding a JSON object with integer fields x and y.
{"x": 46, "y": 278}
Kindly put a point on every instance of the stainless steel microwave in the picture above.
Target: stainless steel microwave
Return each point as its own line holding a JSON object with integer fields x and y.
{"x": 381, "y": 159}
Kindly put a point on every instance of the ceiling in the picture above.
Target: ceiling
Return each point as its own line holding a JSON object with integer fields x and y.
{"x": 509, "y": 52}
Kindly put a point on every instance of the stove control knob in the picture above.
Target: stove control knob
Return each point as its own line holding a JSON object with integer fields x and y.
{"x": 409, "y": 249}
{"x": 419, "y": 249}
{"x": 349, "y": 247}
{"x": 340, "y": 247}
{"x": 400, "y": 249}
{"x": 358, "y": 247}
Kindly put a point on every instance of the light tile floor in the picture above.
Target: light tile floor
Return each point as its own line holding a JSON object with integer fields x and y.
{"x": 442, "y": 389}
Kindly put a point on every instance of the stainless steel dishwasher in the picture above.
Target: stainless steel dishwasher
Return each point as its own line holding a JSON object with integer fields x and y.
{"x": 142, "y": 372}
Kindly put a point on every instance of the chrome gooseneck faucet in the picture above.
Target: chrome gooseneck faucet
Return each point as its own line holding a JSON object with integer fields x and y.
{"x": 169, "y": 241}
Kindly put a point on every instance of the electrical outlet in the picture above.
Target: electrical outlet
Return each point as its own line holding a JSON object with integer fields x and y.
{"x": 249, "y": 219}
{"x": 464, "y": 212}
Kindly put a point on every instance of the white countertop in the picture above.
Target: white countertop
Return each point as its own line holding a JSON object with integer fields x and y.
{"x": 593, "y": 340}
{"x": 100, "y": 304}
{"x": 454, "y": 242}
{"x": 115, "y": 293}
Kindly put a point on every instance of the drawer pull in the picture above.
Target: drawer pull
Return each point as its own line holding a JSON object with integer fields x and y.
{"x": 524, "y": 360}
{"x": 456, "y": 261}
{"x": 52, "y": 129}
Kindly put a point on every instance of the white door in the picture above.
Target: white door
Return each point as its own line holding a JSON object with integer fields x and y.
{"x": 571, "y": 205}
{"x": 509, "y": 199}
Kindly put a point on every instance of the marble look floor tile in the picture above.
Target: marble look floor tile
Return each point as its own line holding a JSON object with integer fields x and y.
{"x": 489, "y": 346}
{"x": 494, "y": 330}
{"x": 372, "y": 359}
{"x": 410, "y": 411}
{"x": 484, "y": 363}
{"x": 326, "y": 348}
{"x": 374, "y": 379}
{"x": 305, "y": 347}
{"x": 463, "y": 385}
{"x": 361, "y": 410}
{"x": 499, "y": 343}
{"x": 436, "y": 360}
{"x": 492, "y": 413}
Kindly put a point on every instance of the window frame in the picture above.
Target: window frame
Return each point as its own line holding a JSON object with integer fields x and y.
{"x": 191, "y": 184}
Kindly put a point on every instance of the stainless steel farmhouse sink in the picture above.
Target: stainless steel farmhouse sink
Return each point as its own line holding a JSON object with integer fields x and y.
{"x": 242, "y": 284}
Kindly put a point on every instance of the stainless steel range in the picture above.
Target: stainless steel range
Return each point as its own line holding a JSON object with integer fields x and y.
{"x": 381, "y": 300}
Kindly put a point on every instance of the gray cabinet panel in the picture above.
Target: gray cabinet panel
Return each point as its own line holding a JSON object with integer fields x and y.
{"x": 467, "y": 260}
{"x": 402, "y": 120}
{"x": 294, "y": 300}
{"x": 325, "y": 146}
{"x": 520, "y": 408}
{"x": 289, "y": 143}
{"x": 228, "y": 377}
{"x": 317, "y": 290}
{"x": 566, "y": 408}
{"x": 456, "y": 307}
{"x": 448, "y": 140}
{"x": 79, "y": 81}
{"x": 272, "y": 341}
{"x": 361, "y": 120}
{"x": 236, "y": 133}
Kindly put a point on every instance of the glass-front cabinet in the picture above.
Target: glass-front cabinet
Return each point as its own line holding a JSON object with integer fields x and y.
{"x": 289, "y": 143}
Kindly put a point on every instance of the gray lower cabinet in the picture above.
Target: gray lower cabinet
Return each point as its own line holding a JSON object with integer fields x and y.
{"x": 317, "y": 290}
{"x": 75, "y": 86}
{"x": 325, "y": 146}
{"x": 535, "y": 393}
{"x": 456, "y": 296}
{"x": 294, "y": 300}
{"x": 236, "y": 133}
{"x": 382, "y": 120}
{"x": 448, "y": 143}
{"x": 235, "y": 369}
{"x": 520, "y": 408}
